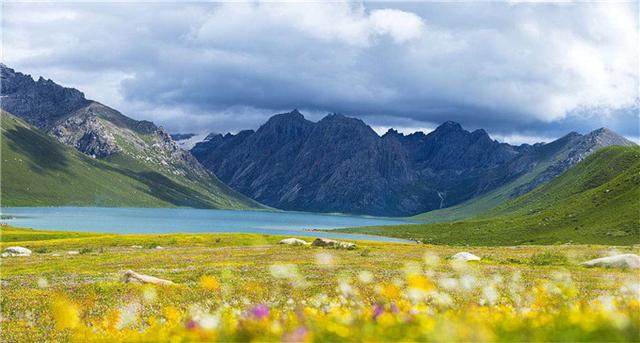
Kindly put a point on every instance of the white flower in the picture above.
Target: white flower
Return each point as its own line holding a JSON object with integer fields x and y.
{"x": 345, "y": 289}
{"x": 489, "y": 295}
{"x": 43, "y": 283}
{"x": 284, "y": 271}
{"x": 449, "y": 283}
{"x": 431, "y": 260}
{"x": 209, "y": 321}
{"x": 365, "y": 276}
{"x": 128, "y": 315}
{"x": 149, "y": 294}
{"x": 467, "y": 282}
{"x": 325, "y": 260}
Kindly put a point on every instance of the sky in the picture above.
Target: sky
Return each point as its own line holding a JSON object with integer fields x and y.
{"x": 523, "y": 71}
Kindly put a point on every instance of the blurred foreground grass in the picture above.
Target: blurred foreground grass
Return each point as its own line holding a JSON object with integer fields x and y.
{"x": 241, "y": 287}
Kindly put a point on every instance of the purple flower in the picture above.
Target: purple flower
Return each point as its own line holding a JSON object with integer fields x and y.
{"x": 377, "y": 311}
{"x": 260, "y": 311}
{"x": 191, "y": 324}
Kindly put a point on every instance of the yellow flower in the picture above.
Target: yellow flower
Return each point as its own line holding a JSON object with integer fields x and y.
{"x": 111, "y": 320}
{"x": 419, "y": 282}
{"x": 254, "y": 289}
{"x": 171, "y": 314}
{"x": 209, "y": 282}
{"x": 386, "y": 319}
{"x": 66, "y": 314}
{"x": 390, "y": 291}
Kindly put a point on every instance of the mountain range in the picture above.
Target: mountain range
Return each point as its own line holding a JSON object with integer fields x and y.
{"x": 60, "y": 148}
{"x": 340, "y": 164}
{"x": 42, "y": 122}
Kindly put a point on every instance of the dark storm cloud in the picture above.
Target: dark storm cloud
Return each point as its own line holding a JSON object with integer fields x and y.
{"x": 517, "y": 70}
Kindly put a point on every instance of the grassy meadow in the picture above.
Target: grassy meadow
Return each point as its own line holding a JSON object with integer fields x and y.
{"x": 246, "y": 287}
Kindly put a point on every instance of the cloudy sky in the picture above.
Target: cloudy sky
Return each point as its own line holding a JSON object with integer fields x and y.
{"x": 523, "y": 71}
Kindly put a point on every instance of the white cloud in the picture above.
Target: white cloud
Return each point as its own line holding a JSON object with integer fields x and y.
{"x": 327, "y": 22}
{"x": 401, "y": 26}
{"x": 503, "y": 67}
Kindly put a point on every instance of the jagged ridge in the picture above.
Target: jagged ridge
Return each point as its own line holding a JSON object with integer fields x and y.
{"x": 340, "y": 164}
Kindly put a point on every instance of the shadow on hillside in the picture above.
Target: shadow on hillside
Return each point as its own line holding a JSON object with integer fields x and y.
{"x": 44, "y": 157}
{"x": 166, "y": 189}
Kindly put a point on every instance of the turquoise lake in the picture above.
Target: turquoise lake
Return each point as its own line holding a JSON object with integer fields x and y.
{"x": 165, "y": 220}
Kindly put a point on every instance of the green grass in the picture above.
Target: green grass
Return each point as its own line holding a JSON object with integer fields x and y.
{"x": 595, "y": 202}
{"x": 36, "y": 170}
{"x": 55, "y": 296}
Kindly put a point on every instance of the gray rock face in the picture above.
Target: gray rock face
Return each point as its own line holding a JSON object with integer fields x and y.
{"x": 340, "y": 164}
{"x": 41, "y": 103}
{"x": 87, "y": 134}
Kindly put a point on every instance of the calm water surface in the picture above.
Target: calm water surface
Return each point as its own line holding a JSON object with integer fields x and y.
{"x": 163, "y": 220}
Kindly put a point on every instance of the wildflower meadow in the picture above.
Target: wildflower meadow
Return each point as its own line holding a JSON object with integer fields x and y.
{"x": 248, "y": 288}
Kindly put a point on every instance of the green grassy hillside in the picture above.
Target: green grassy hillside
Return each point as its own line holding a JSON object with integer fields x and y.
{"x": 36, "y": 170}
{"x": 596, "y": 201}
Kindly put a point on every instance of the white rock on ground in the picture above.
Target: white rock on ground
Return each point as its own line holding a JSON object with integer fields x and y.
{"x": 631, "y": 261}
{"x": 324, "y": 242}
{"x": 293, "y": 241}
{"x": 16, "y": 251}
{"x": 465, "y": 256}
{"x": 131, "y": 276}
{"x": 137, "y": 246}
{"x": 346, "y": 245}
{"x": 73, "y": 252}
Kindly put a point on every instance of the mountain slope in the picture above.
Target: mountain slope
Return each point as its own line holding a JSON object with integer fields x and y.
{"x": 38, "y": 171}
{"x": 596, "y": 201}
{"x": 546, "y": 161}
{"x": 339, "y": 164}
{"x": 140, "y": 148}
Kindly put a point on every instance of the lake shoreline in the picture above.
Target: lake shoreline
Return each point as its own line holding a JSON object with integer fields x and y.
{"x": 188, "y": 220}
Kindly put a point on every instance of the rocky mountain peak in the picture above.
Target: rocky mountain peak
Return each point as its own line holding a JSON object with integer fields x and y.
{"x": 392, "y": 133}
{"x": 292, "y": 118}
{"x": 449, "y": 126}
{"x": 40, "y": 103}
{"x": 340, "y": 120}
{"x": 339, "y": 125}
{"x": 604, "y": 137}
{"x": 480, "y": 133}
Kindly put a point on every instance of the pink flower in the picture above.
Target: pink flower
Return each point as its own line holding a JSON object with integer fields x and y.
{"x": 377, "y": 311}
{"x": 191, "y": 324}
{"x": 260, "y": 311}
